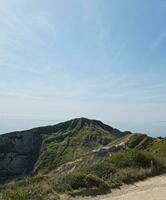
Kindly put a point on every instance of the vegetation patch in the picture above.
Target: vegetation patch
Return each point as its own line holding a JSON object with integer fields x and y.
{"x": 67, "y": 162}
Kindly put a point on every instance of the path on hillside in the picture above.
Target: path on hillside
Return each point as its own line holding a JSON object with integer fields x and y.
{"x": 150, "y": 189}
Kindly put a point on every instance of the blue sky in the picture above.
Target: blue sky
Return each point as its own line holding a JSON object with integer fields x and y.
{"x": 92, "y": 58}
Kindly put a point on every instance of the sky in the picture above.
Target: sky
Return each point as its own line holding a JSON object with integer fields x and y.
{"x": 102, "y": 59}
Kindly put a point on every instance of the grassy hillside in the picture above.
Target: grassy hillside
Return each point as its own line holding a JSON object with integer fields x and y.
{"x": 75, "y": 140}
{"x": 40, "y": 150}
{"x": 126, "y": 166}
{"x": 78, "y": 157}
{"x": 156, "y": 146}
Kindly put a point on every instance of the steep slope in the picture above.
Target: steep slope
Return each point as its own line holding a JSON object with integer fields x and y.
{"x": 18, "y": 154}
{"x": 80, "y": 157}
{"x": 77, "y": 140}
{"x": 46, "y": 148}
{"x": 156, "y": 146}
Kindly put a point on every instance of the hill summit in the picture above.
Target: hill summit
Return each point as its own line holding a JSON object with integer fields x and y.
{"x": 65, "y": 147}
{"x": 45, "y": 148}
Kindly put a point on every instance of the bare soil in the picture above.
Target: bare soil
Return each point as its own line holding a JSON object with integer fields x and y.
{"x": 150, "y": 189}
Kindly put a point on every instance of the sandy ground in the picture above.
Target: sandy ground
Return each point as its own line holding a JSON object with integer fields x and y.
{"x": 150, "y": 189}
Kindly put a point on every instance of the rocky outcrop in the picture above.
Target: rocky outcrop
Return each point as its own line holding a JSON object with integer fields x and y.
{"x": 69, "y": 166}
{"x": 18, "y": 154}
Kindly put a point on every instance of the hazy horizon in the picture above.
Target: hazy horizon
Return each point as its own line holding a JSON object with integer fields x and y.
{"x": 154, "y": 129}
{"x": 98, "y": 59}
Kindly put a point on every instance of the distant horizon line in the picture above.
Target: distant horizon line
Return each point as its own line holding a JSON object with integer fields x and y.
{"x": 62, "y": 121}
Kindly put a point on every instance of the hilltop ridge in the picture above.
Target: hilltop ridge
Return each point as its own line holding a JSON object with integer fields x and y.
{"x": 77, "y": 145}
{"x": 24, "y": 151}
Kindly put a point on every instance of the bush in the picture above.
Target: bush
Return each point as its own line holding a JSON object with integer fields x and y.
{"x": 94, "y": 181}
{"x": 78, "y": 180}
{"x": 135, "y": 158}
{"x": 69, "y": 182}
{"x": 18, "y": 194}
{"x": 60, "y": 186}
{"x": 34, "y": 188}
{"x": 130, "y": 175}
{"x": 103, "y": 170}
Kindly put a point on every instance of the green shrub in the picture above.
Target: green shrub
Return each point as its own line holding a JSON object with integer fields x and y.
{"x": 135, "y": 158}
{"x": 18, "y": 194}
{"x": 129, "y": 175}
{"x": 32, "y": 188}
{"x": 78, "y": 180}
{"x": 139, "y": 141}
{"x": 69, "y": 182}
{"x": 103, "y": 170}
{"x": 94, "y": 181}
{"x": 122, "y": 159}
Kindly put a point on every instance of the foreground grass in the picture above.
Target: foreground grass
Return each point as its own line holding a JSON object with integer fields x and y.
{"x": 122, "y": 167}
{"x": 34, "y": 188}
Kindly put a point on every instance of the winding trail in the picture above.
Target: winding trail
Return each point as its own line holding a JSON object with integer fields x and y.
{"x": 150, "y": 189}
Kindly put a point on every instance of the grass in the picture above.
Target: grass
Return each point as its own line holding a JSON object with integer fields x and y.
{"x": 135, "y": 158}
{"x": 130, "y": 175}
{"x": 158, "y": 147}
{"x": 126, "y": 166}
{"x": 139, "y": 141}
{"x": 123, "y": 167}
{"x": 80, "y": 183}
{"x": 70, "y": 144}
{"x": 33, "y": 188}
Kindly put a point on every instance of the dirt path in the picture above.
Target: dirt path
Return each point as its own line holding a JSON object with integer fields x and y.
{"x": 150, "y": 189}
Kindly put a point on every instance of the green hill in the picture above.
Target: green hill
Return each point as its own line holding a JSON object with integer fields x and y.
{"x": 80, "y": 156}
